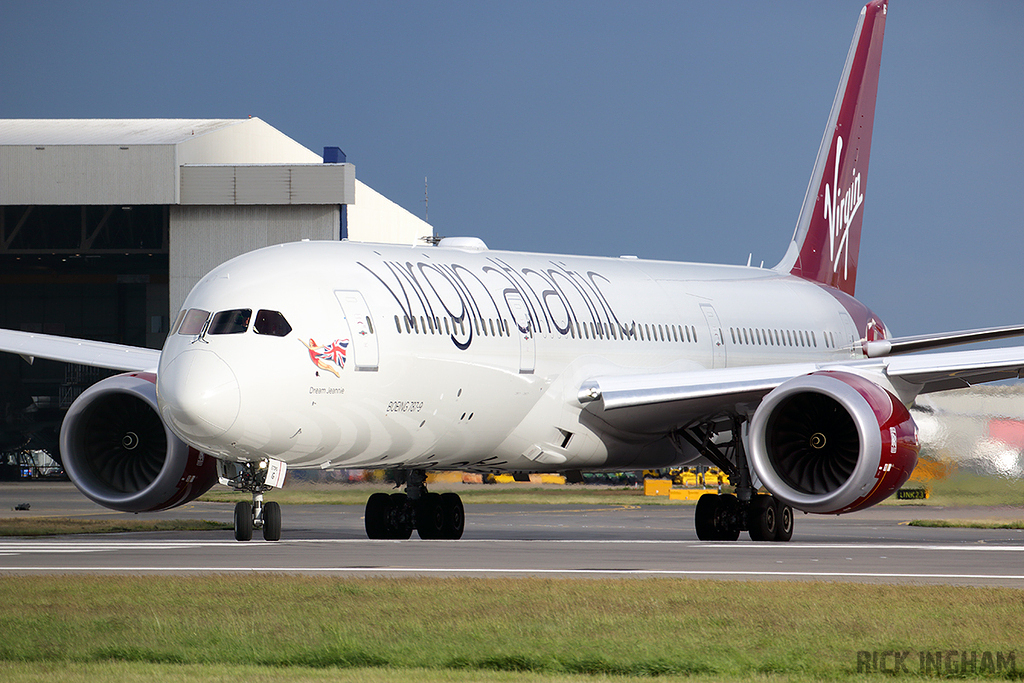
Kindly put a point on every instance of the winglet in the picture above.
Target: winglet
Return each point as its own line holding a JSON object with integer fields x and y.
{"x": 826, "y": 242}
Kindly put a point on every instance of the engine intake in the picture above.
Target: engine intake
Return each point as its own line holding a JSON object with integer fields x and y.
{"x": 118, "y": 452}
{"x": 832, "y": 442}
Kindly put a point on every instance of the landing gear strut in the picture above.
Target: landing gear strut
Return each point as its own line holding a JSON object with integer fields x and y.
{"x": 433, "y": 515}
{"x": 252, "y": 477}
{"x": 721, "y": 517}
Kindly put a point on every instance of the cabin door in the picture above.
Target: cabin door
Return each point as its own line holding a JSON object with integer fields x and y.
{"x": 717, "y": 339}
{"x": 361, "y": 329}
{"x": 521, "y": 322}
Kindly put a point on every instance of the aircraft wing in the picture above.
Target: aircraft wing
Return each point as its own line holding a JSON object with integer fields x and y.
{"x": 660, "y": 402}
{"x": 30, "y": 346}
{"x": 957, "y": 369}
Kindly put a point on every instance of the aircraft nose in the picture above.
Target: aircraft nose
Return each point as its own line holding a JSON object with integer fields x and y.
{"x": 198, "y": 394}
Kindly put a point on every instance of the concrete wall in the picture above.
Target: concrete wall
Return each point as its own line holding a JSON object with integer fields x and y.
{"x": 87, "y": 174}
{"x": 203, "y": 237}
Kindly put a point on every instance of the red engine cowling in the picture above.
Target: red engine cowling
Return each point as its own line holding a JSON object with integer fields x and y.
{"x": 832, "y": 442}
{"x": 118, "y": 452}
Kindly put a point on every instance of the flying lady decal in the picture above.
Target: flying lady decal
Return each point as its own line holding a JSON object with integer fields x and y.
{"x": 326, "y": 357}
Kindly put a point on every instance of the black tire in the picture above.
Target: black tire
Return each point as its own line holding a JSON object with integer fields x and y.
{"x": 430, "y": 517}
{"x": 725, "y": 520}
{"x": 784, "y": 514}
{"x": 454, "y": 516}
{"x": 704, "y": 517}
{"x": 762, "y": 519}
{"x": 272, "y": 521}
{"x": 398, "y": 526}
{"x": 377, "y": 513}
{"x": 243, "y": 521}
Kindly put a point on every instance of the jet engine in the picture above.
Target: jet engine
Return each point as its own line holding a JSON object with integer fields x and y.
{"x": 118, "y": 452}
{"x": 832, "y": 442}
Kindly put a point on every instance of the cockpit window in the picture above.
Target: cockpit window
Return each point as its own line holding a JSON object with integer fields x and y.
{"x": 230, "y": 322}
{"x": 271, "y": 323}
{"x": 177, "y": 323}
{"x": 193, "y": 322}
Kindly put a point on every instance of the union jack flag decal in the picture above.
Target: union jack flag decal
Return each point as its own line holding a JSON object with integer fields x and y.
{"x": 334, "y": 352}
{"x": 324, "y": 356}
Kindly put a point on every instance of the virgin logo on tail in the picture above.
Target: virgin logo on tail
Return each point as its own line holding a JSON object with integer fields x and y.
{"x": 840, "y": 212}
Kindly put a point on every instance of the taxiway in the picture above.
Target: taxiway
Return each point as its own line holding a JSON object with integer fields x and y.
{"x": 585, "y": 541}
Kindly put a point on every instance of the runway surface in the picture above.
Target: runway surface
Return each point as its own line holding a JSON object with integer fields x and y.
{"x": 583, "y": 541}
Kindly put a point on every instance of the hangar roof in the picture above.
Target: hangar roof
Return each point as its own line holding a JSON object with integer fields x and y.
{"x": 106, "y": 131}
{"x": 162, "y": 161}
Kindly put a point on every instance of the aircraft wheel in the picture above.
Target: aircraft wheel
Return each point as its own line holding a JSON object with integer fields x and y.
{"x": 430, "y": 517}
{"x": 376, "y": 515}
{"x": 243, "y": 521}
{"x": 763, "y": 518}
{"x": 272, "y": 521}
{"x": 717, "y": 517}
{"x": 784, "y": 528}
{"x": 727, "y": 518}
{"x": 454, "y": 516}
{"x": 704, "y": 517}
{"x": 399, "y": 527}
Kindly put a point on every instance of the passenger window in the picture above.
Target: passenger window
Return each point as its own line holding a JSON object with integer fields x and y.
{"x": 273, "y": 324}
{"x": 194, "y": 321}
{"x": 231, "y": 322}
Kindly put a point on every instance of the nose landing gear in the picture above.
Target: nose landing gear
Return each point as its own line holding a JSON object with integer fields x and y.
{"x": 253, "y": 477}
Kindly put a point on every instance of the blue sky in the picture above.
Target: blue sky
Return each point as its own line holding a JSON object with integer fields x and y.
{"x": 677, "y": 130}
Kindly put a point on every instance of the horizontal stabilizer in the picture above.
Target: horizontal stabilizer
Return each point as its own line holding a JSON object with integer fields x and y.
{"x": 898, "y": 345}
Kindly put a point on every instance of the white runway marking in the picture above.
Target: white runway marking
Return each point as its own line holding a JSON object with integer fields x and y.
{"x": 44, "y": 546}
{"x": 472, "y": 571}
{"x": 56, "y": 547}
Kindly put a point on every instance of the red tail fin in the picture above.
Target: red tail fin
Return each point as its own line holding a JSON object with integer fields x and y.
{"x": 826, "y": 242}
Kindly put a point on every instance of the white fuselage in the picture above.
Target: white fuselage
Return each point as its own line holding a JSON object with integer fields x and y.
{"x": 440, "y": 358}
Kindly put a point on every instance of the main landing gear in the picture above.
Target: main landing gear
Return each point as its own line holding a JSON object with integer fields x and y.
{"x": 433, "y": 515}
{"x": 721, "y": 517}
{"x": 252, "y": 477}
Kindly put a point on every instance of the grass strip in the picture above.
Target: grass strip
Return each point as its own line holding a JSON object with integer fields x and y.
{"x": 958, "y": 490}
{"x": 962, "y": 489}
{"x": 536, "y": 627}
{"x": 129, "y": 672}
{"x": 966, "y": 524}
{"x": 58, "y": 526}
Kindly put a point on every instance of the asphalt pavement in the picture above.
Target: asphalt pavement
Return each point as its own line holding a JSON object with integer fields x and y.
{"x": 584, "y": 541}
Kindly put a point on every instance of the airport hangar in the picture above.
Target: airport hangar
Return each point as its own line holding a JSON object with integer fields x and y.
{"x": 106, "y": 224}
